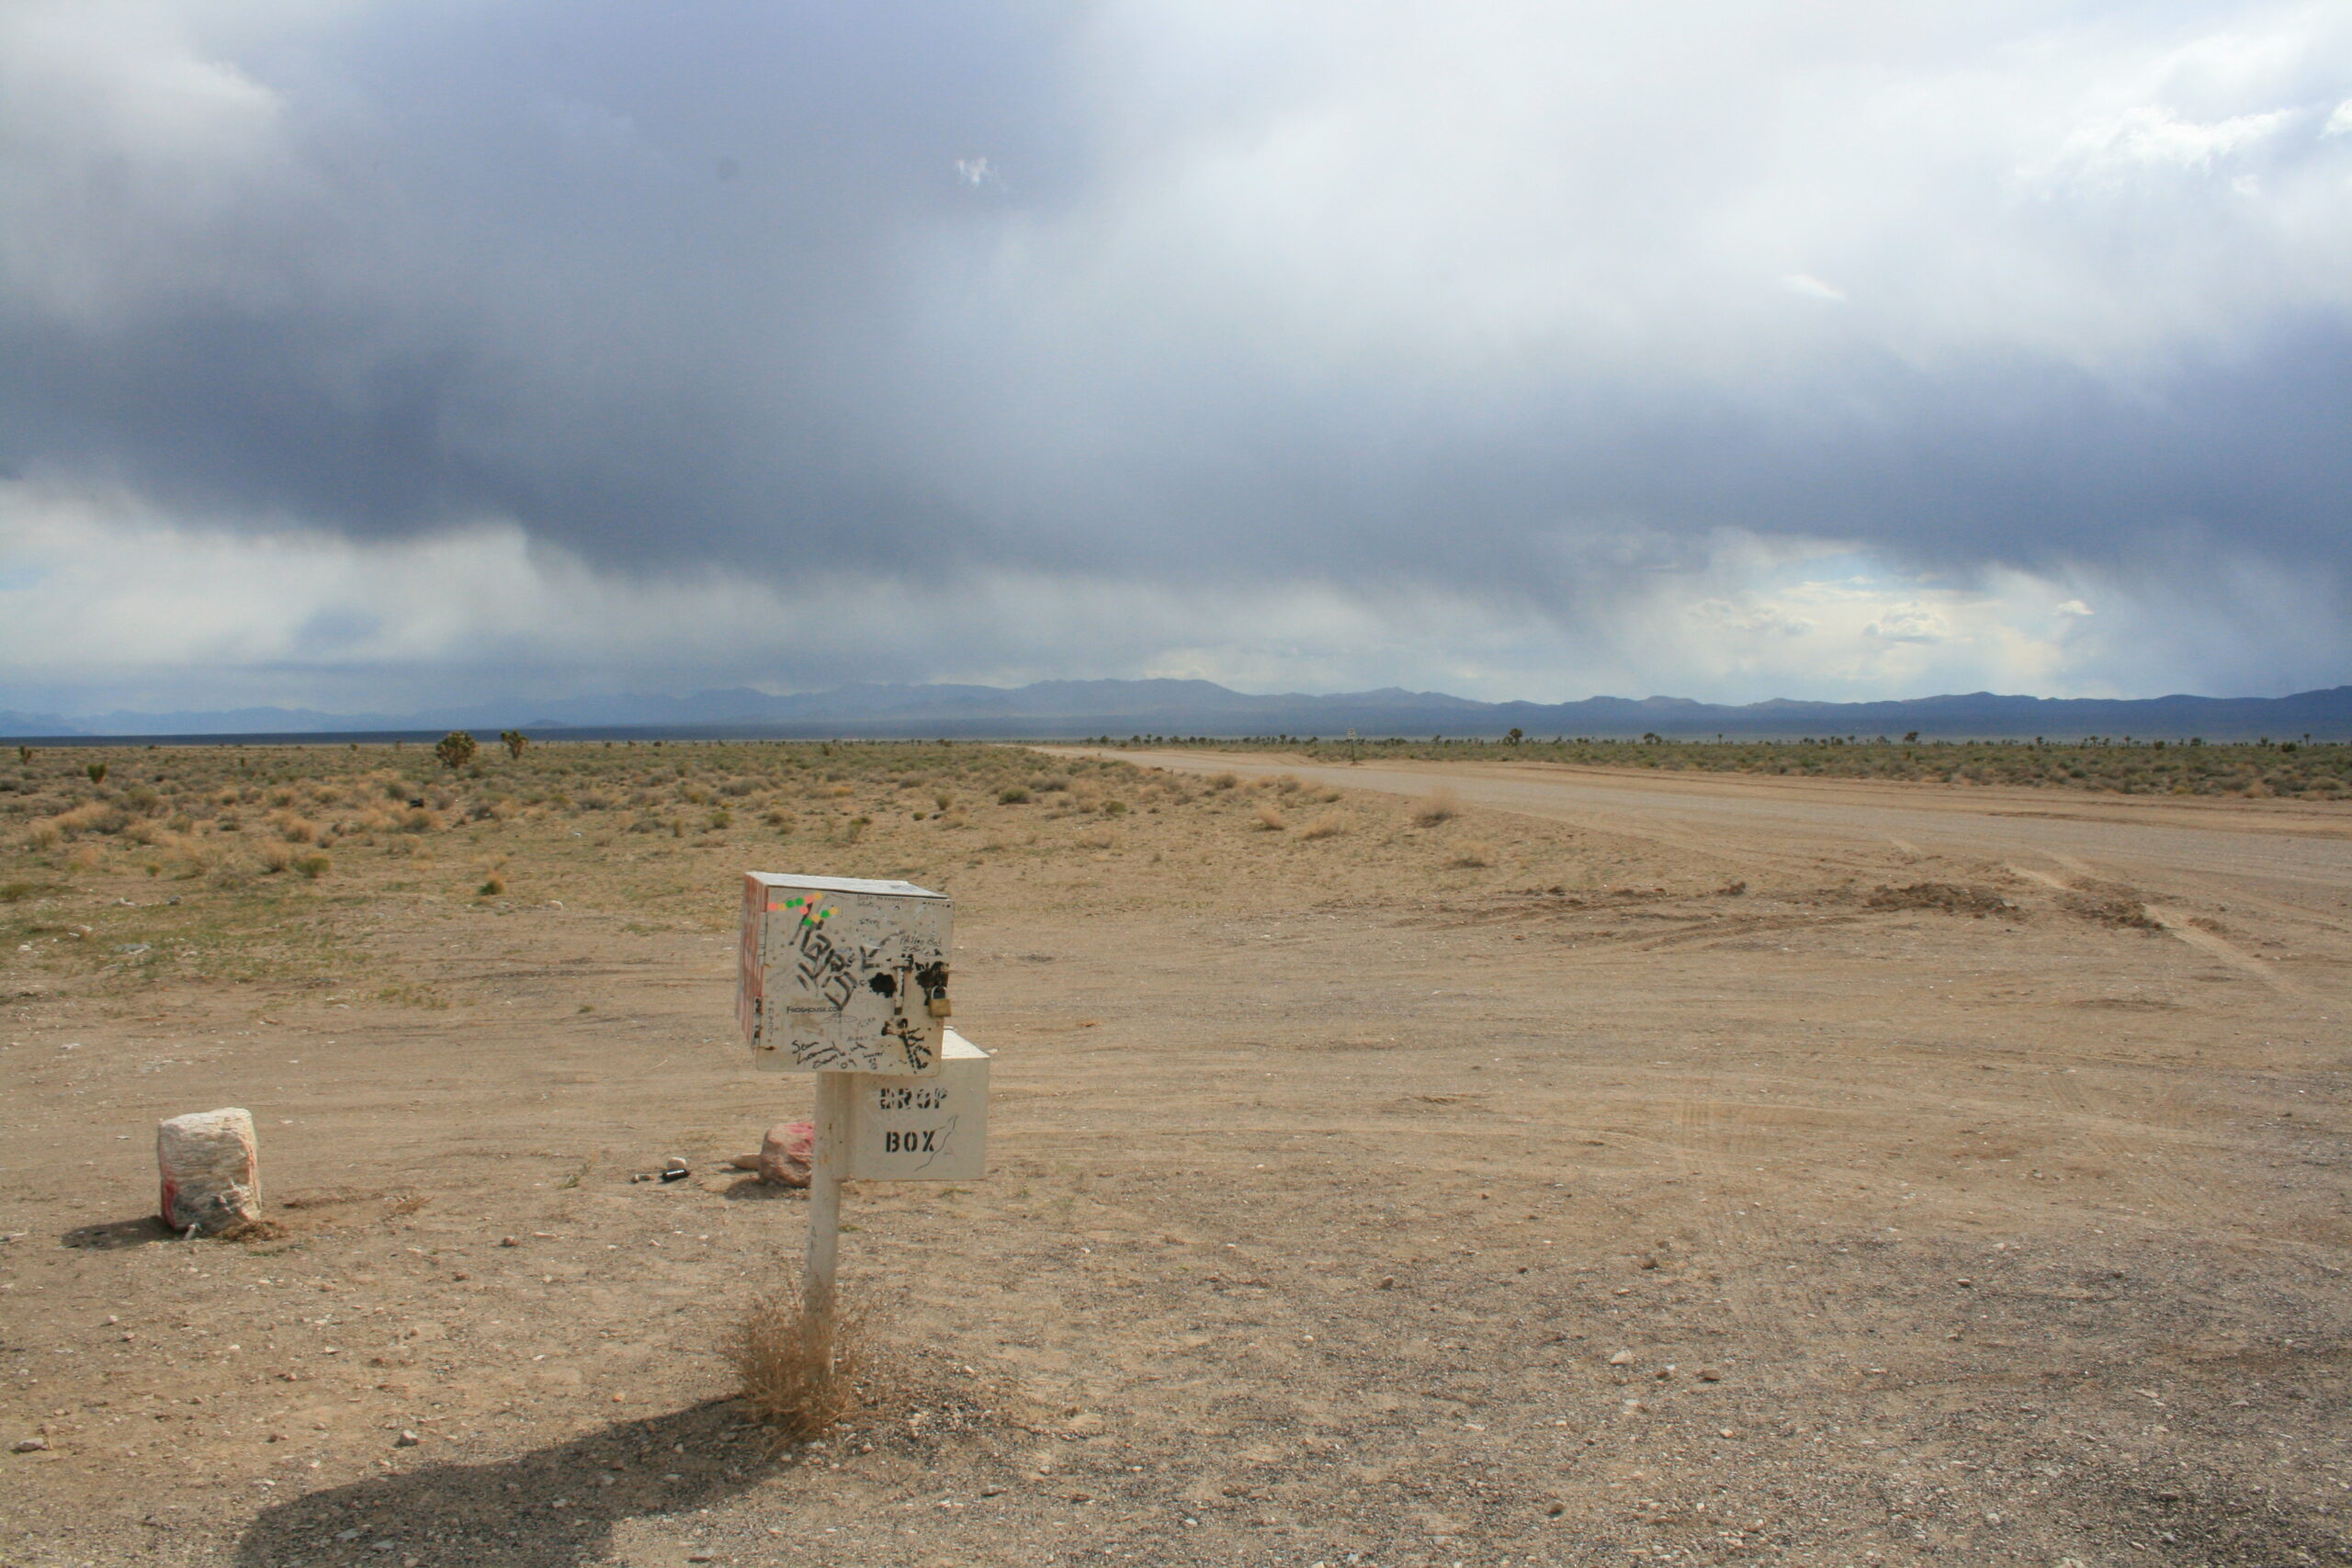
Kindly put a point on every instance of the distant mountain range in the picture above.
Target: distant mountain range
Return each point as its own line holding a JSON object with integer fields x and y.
{"x": 1070, "y": 709}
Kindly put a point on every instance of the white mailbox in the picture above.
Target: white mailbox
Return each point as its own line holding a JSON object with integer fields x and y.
{"x": 922, "y": 1129}
{"x": 842, "y": 974}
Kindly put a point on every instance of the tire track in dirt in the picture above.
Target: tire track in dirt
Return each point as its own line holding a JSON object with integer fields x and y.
{"x": 2173, "y": 922}
{"x": 2137, "y": 1162}
{"x": 2177, "y": 1111}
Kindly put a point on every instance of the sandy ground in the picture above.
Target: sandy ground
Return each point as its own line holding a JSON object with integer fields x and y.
{"x": 1723, "y": 1170}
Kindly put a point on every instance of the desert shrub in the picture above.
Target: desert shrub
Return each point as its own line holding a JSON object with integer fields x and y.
{"x": 783, "y": 1375}
{"x": 1012, "y": 794}
{"x": 90, "y": 817}
{"x": 1052, "y": 782}
{"x": 491, "y": 887}
{"x": 275, "y": 858}
{"x": 1330, "y": 824}
{"x": 1443, "y": 806}
{"x": 1225, "y": 781}
{"x": 1269, "y": 819}
{"x": 313, "y": 866}
{"x": 418, "y": 819}
{"x": 1472, "y": 853}
{"x": 97, "y": 772}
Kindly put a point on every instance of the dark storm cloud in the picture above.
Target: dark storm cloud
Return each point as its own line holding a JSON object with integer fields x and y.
{"x": 732, "y": 284}
{"x": 627, "y": 279}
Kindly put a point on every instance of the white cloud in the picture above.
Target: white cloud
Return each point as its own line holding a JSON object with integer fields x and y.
{"x": 2152, "y": 133}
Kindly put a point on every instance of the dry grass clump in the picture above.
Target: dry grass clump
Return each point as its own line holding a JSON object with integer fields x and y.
{"x": 1472, "y": 853}
{"x": 1330, "y": 824}
{"x": 1269, "y": 819}
{"x": 2110, "y": 903}
{"x": 1952, "y": 898}
{"x": 784, "y": 1382}
{"x": 294, "y": 828}
{"x": 1443, "y": 806}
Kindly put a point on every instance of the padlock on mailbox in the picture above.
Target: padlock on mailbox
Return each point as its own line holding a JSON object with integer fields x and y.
{"x": 843, "y": 975}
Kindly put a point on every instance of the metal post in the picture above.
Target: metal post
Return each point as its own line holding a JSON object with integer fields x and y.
{"x": 825, "y": 1210}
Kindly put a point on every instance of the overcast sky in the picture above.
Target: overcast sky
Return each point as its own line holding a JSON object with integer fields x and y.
{"x": 365, "y": 355}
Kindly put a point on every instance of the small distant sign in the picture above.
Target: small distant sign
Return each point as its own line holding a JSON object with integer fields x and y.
{"x": 922, "y": 1129}
{"x": 843, "y": 975}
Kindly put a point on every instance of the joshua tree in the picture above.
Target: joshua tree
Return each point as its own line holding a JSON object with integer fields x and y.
{"x": 515, "y": 740}
{"x": 1516, "y": 735}
{"x": 97, "y": 772}
{"x": 455, "y": 748}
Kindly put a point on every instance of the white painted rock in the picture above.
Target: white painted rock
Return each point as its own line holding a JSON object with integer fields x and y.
{"x": 211, "y": 1175}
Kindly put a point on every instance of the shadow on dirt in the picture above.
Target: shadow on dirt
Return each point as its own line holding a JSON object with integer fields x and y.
{"x": 753, "y": 1188}
{"x": 551, "y": 1508}
{"x": 116, "y": 1235}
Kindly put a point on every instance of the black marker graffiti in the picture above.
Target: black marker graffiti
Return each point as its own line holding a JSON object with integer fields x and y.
{"x": 825, "y": 968}
{"x": 826, "y": 1056}
{"x": 929, "y": 1142}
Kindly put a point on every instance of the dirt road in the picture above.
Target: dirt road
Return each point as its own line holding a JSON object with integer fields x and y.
{"x": 2298, "y": 852}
